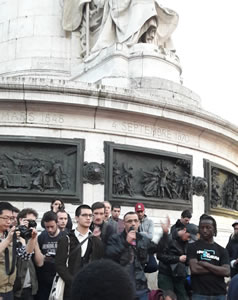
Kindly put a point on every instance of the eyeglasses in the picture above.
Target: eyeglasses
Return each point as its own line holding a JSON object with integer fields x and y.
{"x": 140, "y": 211}
{"x": 131, "y": 221}
{"x": 87, "y": 215}
{"x": 8, "y": 218}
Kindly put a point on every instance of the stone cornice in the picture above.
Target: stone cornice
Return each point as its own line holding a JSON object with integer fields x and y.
{"x": 153, "y": 102}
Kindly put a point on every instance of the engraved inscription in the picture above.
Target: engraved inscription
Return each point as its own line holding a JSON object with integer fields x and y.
{"x": 150, "y": 130}
{"x": 32, "y": 117}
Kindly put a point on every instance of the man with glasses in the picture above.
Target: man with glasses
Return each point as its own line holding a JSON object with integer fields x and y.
{"x": 80, "y": 246}
{"x": 131, "y": 250}
{"x": 9, "y": 250}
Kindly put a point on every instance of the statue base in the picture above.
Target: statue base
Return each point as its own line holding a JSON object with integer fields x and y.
{"x": 120, "y": 65}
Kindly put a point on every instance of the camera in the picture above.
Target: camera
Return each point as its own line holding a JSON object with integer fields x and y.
{"x": 25, "y": 231}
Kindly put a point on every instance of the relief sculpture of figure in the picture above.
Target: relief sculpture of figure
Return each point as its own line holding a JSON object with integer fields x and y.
{"x": 129, "y": 22}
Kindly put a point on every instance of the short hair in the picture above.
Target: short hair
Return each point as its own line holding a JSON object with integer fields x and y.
{"x": 61, "y": 211}
{"x": 108, "y": 203}
{"x": 170, "y": 294}
{"x": 57, "y": 199}
{"x": 5, "y": 206}
{"x": 186, "y": 214}
{"x": 205, "y": 217}
{"x": 15, "y": 209}
{"x": 97, "y": 205}
{"x": 79, "y": 209}
{"x": 129, "y": 213}
{"x": 26, "y": 211}
{"x": 116, "y": 206}
{"x": 102, "y": 279}
{"x": 49, "y": 216}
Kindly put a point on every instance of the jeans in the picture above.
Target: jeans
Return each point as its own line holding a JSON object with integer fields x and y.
{"x": 204, "y": 297}
{"x": 142, "y": 295}
{"x": 6, "y": 296}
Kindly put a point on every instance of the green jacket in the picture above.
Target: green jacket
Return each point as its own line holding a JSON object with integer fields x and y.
{"x": 6, "y": 281}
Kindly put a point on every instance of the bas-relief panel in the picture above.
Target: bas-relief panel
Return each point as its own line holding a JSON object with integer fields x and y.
{"x": 222, "y": 195}
{"x": 39, "y": 169}
{"x": 157, "y": 178}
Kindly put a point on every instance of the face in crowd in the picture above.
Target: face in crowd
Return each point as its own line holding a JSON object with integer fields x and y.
{"x": 6, "y": 219}
{"x": 51, "y": 227}
{"x": 84, "y": 220}
{"x": 236, "y": 230}
{"x": 98, "y": 216}
{"x": 62, "y": 219}
{"x": 185, "y": 220}
{"x": 206, "y": 230}
{"x": 28, "y": 217}
{"x": 107, "y": 209}
{"x": 56, "y": 206}
{"x": 131, "y": 220}
{"x": 116, "y": 213}
{"x": 14, "y": 218}
{"x": 140, "y": 214}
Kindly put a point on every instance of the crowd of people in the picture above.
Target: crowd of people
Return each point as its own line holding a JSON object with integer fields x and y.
{"x": 106, "y": 257}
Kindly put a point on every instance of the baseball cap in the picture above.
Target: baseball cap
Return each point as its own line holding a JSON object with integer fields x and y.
{"x": 193, "y": 230}
{"x": 235, "y": 223}
{"x": 139, "y": 207}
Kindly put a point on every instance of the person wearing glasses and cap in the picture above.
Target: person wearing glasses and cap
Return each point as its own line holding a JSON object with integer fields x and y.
{"x": 80, "y": 246}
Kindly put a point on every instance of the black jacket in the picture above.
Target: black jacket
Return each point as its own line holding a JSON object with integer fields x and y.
{"x": 95, "y": 250}
{"x": 232, "y": 248}
{"x": 121, "y": 251}
{"x": 168, "y": 256}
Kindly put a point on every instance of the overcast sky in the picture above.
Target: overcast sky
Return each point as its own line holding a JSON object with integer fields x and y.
{"x": 206, "y": 41}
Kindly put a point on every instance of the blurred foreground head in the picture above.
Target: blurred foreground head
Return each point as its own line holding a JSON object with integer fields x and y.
{"x": 102, "y": 280}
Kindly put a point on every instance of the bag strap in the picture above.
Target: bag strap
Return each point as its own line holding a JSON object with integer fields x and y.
{"x": 7, "y": 261}
{"x": 80, "y": 244}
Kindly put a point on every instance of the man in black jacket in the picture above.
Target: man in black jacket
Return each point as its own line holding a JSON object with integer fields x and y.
{"x": 131, "y": 249}
{"x": 173, "y": 260}
{"x": 232, "y": 248}
{"x": 79, "y": 247}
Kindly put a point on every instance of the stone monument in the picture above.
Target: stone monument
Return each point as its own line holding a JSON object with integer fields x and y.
{"x": 92, "y": 108}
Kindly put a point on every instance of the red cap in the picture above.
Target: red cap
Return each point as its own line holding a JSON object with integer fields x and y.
{"x": 139, "y": 207}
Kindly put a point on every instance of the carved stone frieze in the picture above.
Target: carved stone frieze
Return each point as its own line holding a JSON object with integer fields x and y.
{"x": 93, "y": 173}
{"x": 158, "y": 178}
{"x": 222, "y": 189}
{"x": 38, "y": 168}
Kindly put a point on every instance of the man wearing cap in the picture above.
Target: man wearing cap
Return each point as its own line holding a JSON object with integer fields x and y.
{"x": 173, "y": 264}
{"x": 146, "y": 226}
{"x": 232, "y": 248}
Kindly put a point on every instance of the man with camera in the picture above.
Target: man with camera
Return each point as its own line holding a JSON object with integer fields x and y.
{"x": 26, "y": 284}
{"x": 10, "y": 250}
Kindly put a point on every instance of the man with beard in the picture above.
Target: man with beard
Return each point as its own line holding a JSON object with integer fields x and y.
{"x": 48, "y": 242}
{"x": 99, "y": 227}
{"x": 232, "y": 248}
{"x": 209, "y": 263}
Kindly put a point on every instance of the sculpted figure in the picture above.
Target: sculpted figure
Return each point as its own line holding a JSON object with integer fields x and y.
{"x": 103, "y": 23}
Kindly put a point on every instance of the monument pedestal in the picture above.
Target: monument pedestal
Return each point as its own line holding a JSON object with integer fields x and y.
{"x": 119, "y": 65}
